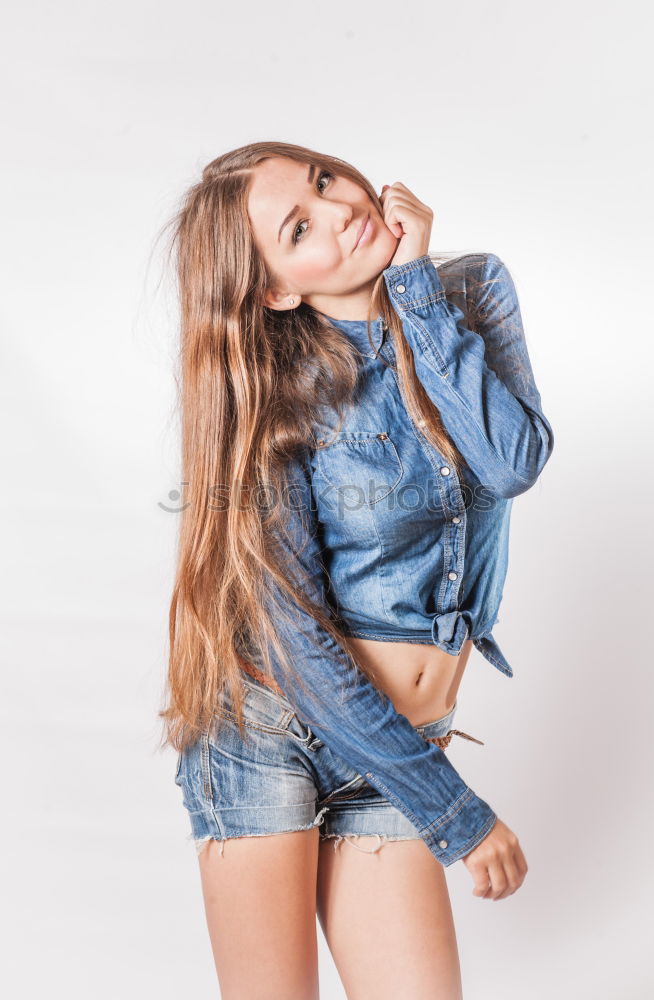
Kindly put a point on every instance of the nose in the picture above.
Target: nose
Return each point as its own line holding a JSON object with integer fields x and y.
{"x": 342, "y": 213}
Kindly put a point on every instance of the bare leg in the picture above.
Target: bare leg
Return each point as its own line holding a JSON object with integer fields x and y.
{"x": 260, "y": 902}
{"x": 387, "y": 919}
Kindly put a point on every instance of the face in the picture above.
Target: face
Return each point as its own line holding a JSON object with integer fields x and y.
{"x": 306, "y": 224}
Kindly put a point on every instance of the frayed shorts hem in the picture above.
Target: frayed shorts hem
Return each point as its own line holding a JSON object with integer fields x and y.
{"x": 336, "y": 830}
{"x": 338, "y": 838}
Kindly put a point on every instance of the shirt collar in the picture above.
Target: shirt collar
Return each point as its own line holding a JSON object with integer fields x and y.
{"x": 357, "y": 331}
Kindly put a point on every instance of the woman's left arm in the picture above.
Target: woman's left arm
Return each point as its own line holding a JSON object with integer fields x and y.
{"x": 493, "y": 414}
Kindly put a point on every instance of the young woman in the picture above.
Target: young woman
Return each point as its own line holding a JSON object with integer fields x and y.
{"x": 355, "y": 423}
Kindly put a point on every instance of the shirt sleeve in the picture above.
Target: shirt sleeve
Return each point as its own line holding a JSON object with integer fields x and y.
{"x": 350, "y": 716}
{"x": 482, "y": 382}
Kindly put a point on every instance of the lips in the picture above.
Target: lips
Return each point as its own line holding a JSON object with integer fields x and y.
{"x": 360, "y": 233}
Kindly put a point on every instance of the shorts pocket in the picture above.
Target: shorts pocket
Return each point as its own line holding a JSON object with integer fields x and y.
{"x": 266, "y": 713}
{"x": 263, "y": 710}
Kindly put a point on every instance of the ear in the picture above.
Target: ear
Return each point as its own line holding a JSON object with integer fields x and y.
{"x": 281, "y": 301}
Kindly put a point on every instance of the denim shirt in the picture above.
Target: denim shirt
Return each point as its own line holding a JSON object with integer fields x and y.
{"x": 412, "y": 553}
{"x": 397, "y": 547}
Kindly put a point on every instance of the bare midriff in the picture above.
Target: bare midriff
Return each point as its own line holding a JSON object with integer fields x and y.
{"x": 421, "y": 681}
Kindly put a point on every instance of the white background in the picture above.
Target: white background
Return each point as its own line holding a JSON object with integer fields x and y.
{"x": 527, "y": 129}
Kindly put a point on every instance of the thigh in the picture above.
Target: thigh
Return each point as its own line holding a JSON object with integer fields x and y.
{"x": 251, "y": 801}
{"x": 383, "y": 900}
{"x": 387, "y": 919}
{"x": 260, "y": 903}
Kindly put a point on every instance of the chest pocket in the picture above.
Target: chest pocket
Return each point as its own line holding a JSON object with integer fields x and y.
{"x": 356, "y": 484}
{"x": 358, "y": 467}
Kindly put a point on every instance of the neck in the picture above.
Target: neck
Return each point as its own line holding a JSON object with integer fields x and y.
{"x": 352, "y": 307}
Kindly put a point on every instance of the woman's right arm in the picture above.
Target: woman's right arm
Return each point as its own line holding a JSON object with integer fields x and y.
{"x": 351, "y": 717}
{"x": 482, "y": 382}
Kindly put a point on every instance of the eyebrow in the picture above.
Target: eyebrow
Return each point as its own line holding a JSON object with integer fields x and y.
{"x": 296, "y": 208}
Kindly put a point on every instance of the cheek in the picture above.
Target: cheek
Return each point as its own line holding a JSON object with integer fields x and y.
{"x": 316, "y": 267}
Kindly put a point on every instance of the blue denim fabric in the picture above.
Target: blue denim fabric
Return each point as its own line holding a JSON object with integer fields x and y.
{"x": 395, "y": 545}
{"x": 278, "y": 777}
{"x": 412, "y": 553}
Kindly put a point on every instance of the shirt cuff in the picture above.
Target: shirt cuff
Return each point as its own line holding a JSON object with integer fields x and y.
{"x": 415, "y": 282}
{"x": 448, "y": 838}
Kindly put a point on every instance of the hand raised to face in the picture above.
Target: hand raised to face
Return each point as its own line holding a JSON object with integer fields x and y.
{"x": 409, "y": 219}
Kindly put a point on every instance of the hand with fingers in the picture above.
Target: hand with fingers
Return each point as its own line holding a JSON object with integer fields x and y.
{"x": 409, "y": 219}
{"x": 497, "y": 864}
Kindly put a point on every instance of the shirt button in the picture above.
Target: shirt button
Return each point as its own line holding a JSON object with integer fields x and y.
{"x": 442, "y": 844}
{"x": 384, "y": 326}
{"x": 445, "y": 471}
{"x": 452, "y": 576}
{"x": 455, "y": 520}
{"x": 400, "y": 289}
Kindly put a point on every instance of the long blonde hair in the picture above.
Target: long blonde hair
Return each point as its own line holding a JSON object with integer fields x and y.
{"x": 250, "y": 382}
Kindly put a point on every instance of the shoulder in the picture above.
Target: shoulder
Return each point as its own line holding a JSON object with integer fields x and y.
{"x": 469, "y": 265}
{"x": 474, "y": 281}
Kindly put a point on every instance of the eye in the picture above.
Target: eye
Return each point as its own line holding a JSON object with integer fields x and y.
{"x": 295, "y": 238}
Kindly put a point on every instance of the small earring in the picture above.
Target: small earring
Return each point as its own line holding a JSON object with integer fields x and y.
{"x": 292, "y": 301}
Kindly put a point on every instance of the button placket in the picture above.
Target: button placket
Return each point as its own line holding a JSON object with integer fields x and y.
{"x": 450, "y": 588}
{"x": 451, "y": 583}
{"x": 379, "y": 329}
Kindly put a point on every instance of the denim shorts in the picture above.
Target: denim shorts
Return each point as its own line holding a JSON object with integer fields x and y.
{"x": 280, "y": 777}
